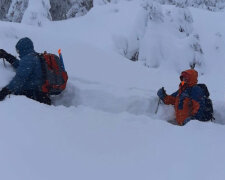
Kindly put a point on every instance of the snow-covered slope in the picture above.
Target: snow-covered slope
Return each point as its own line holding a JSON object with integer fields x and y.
{"x": 104, "y": 125}
{"x": 82, "y": 143}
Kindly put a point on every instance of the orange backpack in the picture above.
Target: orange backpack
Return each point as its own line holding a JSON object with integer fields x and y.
{"x": 54, "y": 74}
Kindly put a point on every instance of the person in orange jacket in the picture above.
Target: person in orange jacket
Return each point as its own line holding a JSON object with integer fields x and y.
{"x": 187, "y": 101}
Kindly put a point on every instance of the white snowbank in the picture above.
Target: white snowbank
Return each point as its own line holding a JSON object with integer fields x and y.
{"x": 104, "y": 125}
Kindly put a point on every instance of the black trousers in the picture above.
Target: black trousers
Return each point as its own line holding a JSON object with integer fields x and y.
{"x": 38, "y": 96}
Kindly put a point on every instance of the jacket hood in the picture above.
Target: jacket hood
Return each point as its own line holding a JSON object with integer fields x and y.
{"x": 24, "y": 46}
{"x": 191, "y": 76}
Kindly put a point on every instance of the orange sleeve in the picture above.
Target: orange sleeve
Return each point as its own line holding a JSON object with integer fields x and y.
{"x": 169, "y": 100}
{"x": 195, "y": 107}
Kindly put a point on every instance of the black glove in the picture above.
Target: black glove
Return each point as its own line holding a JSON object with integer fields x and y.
{"x": 161, "y": 93}
{"x": 3, "y": 93}
{"x": 3, "y": 53}
{"x": 10, "y": 58}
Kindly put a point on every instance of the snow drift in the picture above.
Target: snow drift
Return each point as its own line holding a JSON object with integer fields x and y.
{"x": 104, "y": 125}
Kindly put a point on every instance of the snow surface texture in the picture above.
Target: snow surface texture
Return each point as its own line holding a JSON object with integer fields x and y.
{"x": 104, "y": 125}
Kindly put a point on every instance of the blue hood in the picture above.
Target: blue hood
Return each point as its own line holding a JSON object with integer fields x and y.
{"x": 24, "y": 46}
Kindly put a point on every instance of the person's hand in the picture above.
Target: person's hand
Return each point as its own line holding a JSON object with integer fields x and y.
{"x": 161, "y": 93}
{"x": 3, "y": 53}
{"x": 8, "y": 57}
{"x": 3, "y": 93}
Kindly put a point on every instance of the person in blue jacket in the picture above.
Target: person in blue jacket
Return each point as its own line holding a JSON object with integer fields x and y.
{"x": 28, "y": 79}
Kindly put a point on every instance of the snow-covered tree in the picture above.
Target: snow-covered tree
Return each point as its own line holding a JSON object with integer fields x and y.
{"x": 150, "y": 51}
{"x": 154, "y": 11}
{"x": 37, "y": 12}
{"x": 69, "y": 8}
{"x": 196, "y": 48}
{"x": 185, "y": 20}
{"x": 4, "y": 7}
{"x": 79, "y": 8}
{"x": 16, "y": 10}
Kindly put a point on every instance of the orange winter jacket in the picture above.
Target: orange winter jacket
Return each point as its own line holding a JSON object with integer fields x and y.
{"x": 187, "y": 100}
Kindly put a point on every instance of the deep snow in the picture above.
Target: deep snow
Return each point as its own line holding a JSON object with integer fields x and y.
{"x": 104, "y": 125}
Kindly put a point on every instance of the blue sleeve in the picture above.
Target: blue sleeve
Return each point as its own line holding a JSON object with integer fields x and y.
{"x": 23, "y": 70}
{"x": 16, "y": 63}
{"x": 174, "y": 94}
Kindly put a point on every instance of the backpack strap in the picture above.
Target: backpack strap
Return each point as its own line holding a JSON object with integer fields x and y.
{"x": 190, "y": 103}
{"x": 44, "y": 86}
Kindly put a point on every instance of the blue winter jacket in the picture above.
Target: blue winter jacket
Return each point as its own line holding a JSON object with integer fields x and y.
{"x": 28, "y": 69}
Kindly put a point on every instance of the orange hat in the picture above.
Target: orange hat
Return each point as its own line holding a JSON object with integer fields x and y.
{"x": 190, "y": 76}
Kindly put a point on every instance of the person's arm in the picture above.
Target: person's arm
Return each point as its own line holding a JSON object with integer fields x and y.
{"x": 170, "y": 99}
{"x": 167, "y": 99}
{"x": 22, "y": 74}
{"x": 9, "y": 58}
{"x": 16, "y": 63}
